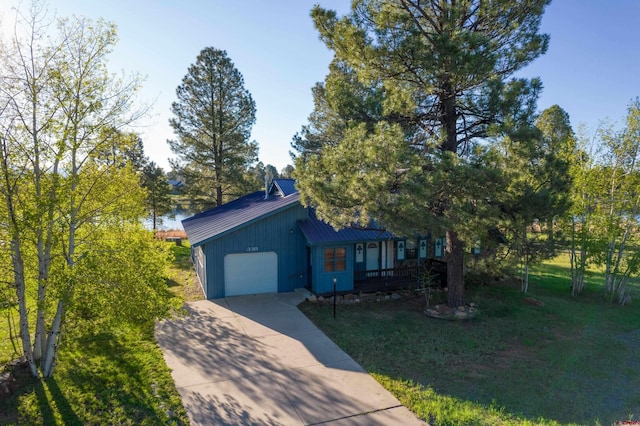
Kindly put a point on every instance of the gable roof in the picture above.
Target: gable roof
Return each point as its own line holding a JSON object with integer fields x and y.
{"x": 318, "y": 232}
{"x": 235, "y": 214}
{"x": 284, "y": 186}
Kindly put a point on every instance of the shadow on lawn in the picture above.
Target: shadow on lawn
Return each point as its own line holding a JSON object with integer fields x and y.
{"x": 67, "y": 414}
{"x": 114, "y": 382}
{"x": 566, "y": 361}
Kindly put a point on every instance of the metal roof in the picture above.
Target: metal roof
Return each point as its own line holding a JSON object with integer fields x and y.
{"x": 245, "y": 210}
{"x": 285, "y": 186}
{"x": 318, "y": 232}
{"x": 234, "y": 214}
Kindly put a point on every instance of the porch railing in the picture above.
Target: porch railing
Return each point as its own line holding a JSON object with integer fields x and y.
{"x": 399, "y": 278}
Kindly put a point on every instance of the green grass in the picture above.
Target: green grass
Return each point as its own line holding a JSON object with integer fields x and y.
{"x": 111, "y": 377}
{"x": 570, "y": 361}
{"x": 104, "y": 376}
{"x": 181, "y": 277}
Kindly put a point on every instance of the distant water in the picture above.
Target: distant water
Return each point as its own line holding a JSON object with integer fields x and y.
{"x": 170, "y": 221}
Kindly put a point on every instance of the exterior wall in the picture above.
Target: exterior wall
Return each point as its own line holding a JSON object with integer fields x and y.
{"x": 199, "y": 263}
{"x": 279, "y": 233}
{"x": 322, "y": 282}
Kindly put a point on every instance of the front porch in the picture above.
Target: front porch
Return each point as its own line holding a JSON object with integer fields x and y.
{"x": 404, "y": 277}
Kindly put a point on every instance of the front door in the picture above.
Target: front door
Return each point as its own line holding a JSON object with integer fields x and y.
{"x": 373, "y": 254}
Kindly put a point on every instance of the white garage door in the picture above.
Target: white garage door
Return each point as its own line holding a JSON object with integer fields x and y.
{"x": 250, "y": 273}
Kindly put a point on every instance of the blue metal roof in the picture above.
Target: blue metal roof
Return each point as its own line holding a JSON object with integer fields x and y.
{"x": 250, "y": 208}
{"x": 234, "y": 214}
{"x": 285, "y": 186}
{"x": 318, "y": 232}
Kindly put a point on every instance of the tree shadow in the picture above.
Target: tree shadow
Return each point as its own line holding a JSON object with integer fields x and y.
{"x": 228, "y": 370}
{"x": 171, "y": 283}
{"x": 117, "y": 378}
{"x": 549, "y": 369}
{"x": 68, "y": 415}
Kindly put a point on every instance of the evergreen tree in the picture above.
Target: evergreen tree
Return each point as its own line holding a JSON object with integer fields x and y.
{"x": 158, "y": 201}
{"x": 212, "y": 120}
{"x": 439, "y": 72}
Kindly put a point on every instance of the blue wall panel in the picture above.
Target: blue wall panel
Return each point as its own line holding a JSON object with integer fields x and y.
{"x": 323, "y": 281}
{"x": 278, "y": 233}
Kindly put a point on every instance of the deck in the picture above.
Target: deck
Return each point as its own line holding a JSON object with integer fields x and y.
{"x": 407, "y": 277}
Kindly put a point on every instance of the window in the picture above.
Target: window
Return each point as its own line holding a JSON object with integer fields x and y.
{"x": 335, "y": 259}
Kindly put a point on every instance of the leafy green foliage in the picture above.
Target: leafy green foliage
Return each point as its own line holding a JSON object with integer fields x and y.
{"x": 212, "y": 120}
{"x": 133, "y": 292}
{"x": 604, "y": 220}
{"x": 69, "y": 186}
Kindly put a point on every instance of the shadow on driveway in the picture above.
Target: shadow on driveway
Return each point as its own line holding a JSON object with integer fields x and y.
{"x": 259, "y": 360}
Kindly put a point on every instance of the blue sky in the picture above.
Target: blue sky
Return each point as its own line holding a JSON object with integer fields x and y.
{"x": 591, "y": 70}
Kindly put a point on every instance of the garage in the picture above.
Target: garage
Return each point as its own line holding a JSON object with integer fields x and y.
{"x": 250, "y": 273}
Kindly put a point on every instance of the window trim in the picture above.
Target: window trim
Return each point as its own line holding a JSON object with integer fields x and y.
{"x": 338, "y": 263}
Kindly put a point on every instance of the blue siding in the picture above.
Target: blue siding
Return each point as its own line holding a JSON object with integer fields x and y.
{"x": 272, "y": 233}
{"x": 199, "y": 263}
{"x": 322, "y": 282}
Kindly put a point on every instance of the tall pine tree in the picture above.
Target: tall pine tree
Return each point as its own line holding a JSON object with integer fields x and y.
{"x": 212, "y": 120}
{"x": 440, "y": 72}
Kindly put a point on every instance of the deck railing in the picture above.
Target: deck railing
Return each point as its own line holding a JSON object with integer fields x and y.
{"x": 399, "y": 278}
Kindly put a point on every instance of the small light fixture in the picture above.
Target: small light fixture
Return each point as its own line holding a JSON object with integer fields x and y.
{"x": 291, "y": 231}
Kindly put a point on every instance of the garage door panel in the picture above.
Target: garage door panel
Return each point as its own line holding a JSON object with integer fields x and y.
{"x": 250, "y": 273}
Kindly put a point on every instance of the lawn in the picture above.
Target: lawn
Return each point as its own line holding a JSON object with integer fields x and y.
{"x": 105, "y": 376}
{"x": 536, "y": 358}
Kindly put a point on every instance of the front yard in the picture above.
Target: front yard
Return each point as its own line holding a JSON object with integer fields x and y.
{"x": 539, "y": 358}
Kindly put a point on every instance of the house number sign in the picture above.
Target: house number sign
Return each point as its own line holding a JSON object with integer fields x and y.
{"x": 252, "y": 248}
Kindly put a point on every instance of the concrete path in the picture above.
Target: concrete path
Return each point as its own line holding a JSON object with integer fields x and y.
{"x": 258, "y": 360}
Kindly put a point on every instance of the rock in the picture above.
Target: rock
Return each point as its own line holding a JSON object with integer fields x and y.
{"x": 7, "y": 384}
{"x": 320, "y": 299}
{"x": 460, "y": 315}
{"x": 350, "y": 298}
{"x": 312, "y": 298}
{"x": 395, "y": 296}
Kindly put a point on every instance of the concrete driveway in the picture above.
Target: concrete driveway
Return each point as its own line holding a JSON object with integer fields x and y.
{"x": 258, "y": 360}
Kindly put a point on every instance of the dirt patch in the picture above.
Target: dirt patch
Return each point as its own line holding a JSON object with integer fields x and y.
{"x": 533, "y": 302}
{"x": 501, "y": 360}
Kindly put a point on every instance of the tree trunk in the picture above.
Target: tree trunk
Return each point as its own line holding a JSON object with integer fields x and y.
{"x": 525, "y": 273}
{"x": 219, "y": 195}
{"x": 455, "y": 270}
{"x": 25, "y": 336}
{"x": 50, "y": 355}
{"x": 40, "y": 336}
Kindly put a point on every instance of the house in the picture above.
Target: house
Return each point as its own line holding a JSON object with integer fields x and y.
{"x": 267, "y": 242}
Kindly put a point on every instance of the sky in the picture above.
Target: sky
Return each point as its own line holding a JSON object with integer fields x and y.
{"x": 592, "y": 67}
